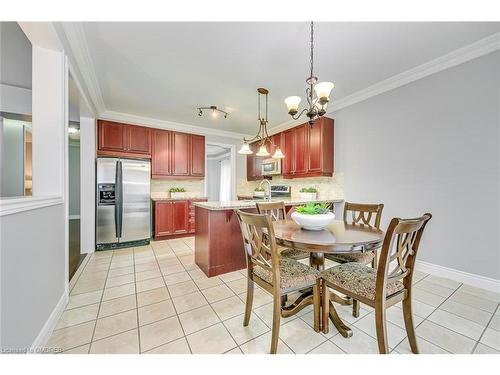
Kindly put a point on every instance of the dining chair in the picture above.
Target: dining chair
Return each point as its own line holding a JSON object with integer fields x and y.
{"x": 389, "y": 284}
{"x": 277, "y": 211}
{"x": 362, "y": 214}
{"x": 278, "y": 276}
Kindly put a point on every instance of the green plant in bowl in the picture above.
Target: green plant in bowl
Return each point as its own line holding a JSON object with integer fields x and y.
{"x": 313, "y": 209}
{"x": 177, "y": 190}
{"x": 308, "y": 190}
{"x": 259, "y": 189}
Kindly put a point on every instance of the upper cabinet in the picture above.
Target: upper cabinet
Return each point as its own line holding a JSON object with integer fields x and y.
{"x": 115, "y": 139}
{"x": 308, "y": 151}
{"x": 173, "y": 154}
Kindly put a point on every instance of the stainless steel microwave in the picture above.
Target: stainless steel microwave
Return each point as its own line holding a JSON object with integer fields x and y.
{"x": 271, "y": 167}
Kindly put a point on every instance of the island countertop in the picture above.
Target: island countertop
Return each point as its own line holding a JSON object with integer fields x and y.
{"x": 242, "y": 204}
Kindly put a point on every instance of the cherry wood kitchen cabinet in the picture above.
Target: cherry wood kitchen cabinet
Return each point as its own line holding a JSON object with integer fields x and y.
{"x": 160, "y": 163}
{"x": 254, "y": 170}
{"x": 197, "y": 155}
{"x": 115, "y": 139}
{"x": 180, "y": 154}
{"x": 174, "y": 218}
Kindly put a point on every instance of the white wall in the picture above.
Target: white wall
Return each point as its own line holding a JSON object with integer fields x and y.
{"x": 213, "y": 179}
{"x": 433, "y": 146}
{"x": 74, "y": 179}
{"x": 87, "y": 184}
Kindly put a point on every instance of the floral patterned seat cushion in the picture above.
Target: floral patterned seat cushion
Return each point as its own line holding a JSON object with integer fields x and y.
{"x": 363, "y": 258}
{"x": 358, "y": 279}
{"x": 292, "y": 274}
{"x": 293, "y": 253}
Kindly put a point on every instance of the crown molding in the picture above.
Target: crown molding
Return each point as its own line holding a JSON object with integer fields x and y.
{"x": 79, "y": 46}
{"x": 167, "y": 125}
{"x": 462, "y": 55}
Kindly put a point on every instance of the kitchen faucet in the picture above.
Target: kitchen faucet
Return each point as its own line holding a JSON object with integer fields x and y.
{"x": 268, "y": 190}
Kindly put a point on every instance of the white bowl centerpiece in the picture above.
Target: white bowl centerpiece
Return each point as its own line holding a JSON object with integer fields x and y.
{"x": 313, "y": 216}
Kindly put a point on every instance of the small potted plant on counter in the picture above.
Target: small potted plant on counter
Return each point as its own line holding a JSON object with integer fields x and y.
{"x": 309, "y": 193}
{"x": 259, "y": 192}
{"x": 313, "y": 216}
{"x": 176, "y": 192}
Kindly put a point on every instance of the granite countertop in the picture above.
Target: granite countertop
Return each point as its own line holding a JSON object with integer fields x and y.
{"x": 187, "y": 198}
{"x": 232, "y": 205}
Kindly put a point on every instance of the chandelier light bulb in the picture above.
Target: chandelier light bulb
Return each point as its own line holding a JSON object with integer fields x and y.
{"x": 292, "y": 103}
{"x": 262, "y": 151}
{"x": 323, "y": 90}
{"x": 245, "y": 149}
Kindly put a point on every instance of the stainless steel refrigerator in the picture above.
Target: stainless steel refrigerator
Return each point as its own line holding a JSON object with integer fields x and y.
{"x": 123, "y": 203}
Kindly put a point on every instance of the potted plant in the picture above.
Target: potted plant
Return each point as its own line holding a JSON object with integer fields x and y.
{"x": 259, "y": 192}
{"x": 176, "y": 192}
{"x": 309, "y": 193}
{"x": 313, "y": 216}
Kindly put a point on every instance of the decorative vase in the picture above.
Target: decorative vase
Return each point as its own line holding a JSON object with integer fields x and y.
{"x": 308, "y": 196}
{"x": 313, "y": 222}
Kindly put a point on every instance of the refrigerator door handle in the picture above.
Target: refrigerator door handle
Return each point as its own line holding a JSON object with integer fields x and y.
{"x": 119, "y": 199}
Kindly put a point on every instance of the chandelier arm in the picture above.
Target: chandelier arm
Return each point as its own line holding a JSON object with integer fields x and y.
{"x": 297, "y": 116}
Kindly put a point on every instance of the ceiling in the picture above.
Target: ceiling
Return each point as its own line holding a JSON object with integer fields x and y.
{"x": 214, "y": 150}
{"x": 166, "y": 70}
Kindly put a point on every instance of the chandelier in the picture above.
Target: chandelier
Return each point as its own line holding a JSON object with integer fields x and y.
{"x": 317, "y": 94}
{"x": 262, "y": 135}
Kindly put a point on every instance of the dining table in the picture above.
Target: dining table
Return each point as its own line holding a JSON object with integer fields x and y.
{"x": 339, "y": 237}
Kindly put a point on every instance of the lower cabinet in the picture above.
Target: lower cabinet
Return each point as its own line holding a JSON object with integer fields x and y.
{"x": 174, "y": 218}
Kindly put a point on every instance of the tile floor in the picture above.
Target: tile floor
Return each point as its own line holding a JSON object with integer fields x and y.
{"x": 154, "y": 299}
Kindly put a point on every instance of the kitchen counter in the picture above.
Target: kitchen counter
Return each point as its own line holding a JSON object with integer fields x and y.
{"x": 242, "y": 204}
{"x": 158, "y": 199}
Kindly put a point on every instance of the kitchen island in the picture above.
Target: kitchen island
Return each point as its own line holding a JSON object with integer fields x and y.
{"x": 218, "y": 240}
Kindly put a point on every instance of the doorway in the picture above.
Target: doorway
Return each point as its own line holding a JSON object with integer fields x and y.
{"x": 220, "y": 179}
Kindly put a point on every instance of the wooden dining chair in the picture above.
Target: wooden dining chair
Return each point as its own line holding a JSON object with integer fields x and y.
{"x": 362, "y": 214}
{"x": 277, "y": 211}
{"x": 386, "y": 286}
{"x": 278, "y": 276}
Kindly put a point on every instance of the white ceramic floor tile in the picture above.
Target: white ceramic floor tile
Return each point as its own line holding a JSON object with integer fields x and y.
{"x": 208, "y": 282}
{"x": 231, "y": 276}
{"x": 148, "y": 274}
{"x": 466, "y": 311}
{"x": 212, "y": 340}
{"x": 491, "y": 338}
{"x": 424, "y": 347}
{"x": 217, "y": 293}
{"x": 395, "y": 334}
{"x": 238, "y": 286}
{"x": 118, "y": 291}
{"x": 327, "y": 348}
{"x": 121, "y": 271}
{"x": 189, "y": 302}
{"x": 149, "y": 284}
{"x": 117, "y": 305}
{"x": 172, "y": 269}
{"x": 159, "y": 333}
{"x": 260, "y": 298}
{"x": 483, "y": 349}
{"x": 78, "y": 315}
{"x": 427, "y": 297}
{"x": 114, "y": 324}
{"x": 434, "y": 288}
{"x": 181, "y": 289}
{"x": 241, "y": 334}
{"x": 123, "y": 343}
{"x": 71, "y": 337}
{"x": 84, "y": 349}
{"x": 359, "y": 343}
{"x": 179, "y": 346}
{"x": 457, "y": 324}
{"x": 445, "y": 338}
{"x": 300, "y": 337}
{"x": 198, "y": 319}
{"x": 176, "y": 278}
{"x": 262, "y": 345}
{"x": 482, "y": 293}
{"x": 120, "y": 280}
{"x": 229, "y": 307}
{"x": 495, "y": 322}
{"x": 152, "y": 296}
{"x": 84, "y": 299}
{"x": 395, "y": 315}
{"x": 266, "y": 314}
{"x": 452, "y": 284}
{"x": 156, "y": 311}
{"x": 474, "y": 301}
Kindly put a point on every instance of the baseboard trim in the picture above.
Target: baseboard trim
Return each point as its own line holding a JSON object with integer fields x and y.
{"x": 50, "y": 324}
{"x": 478, "y": 281}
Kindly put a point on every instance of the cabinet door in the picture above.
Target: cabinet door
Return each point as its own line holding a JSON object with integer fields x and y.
{"x": 250, "y": 162}
{"x": 289, "y": 151}
{"x": 300, "y": 149}
{"x": 197, "y": 153}
{"x": 161, "y": 153}
{"x": 257, "y": 163}
{"x": 163, "y": 219}
{"x": 138, "y": 139}
{"x": 180, "y": 154}
{"x": 111, "y": 136}
{"x": 315, "y": 146}
{"x": 180, "y": 215}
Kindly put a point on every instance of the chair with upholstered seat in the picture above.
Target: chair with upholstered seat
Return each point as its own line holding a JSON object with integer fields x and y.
{"x": 278, "y": 276}
{"x": 276, "y": 210}
{"x": 362, "y": 214}
{"x": 389, "y": 284}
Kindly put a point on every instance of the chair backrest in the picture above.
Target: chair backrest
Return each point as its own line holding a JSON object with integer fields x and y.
{"x": 399, "y": 251}
{"x": 259, "y": 242}
{"x": 364, "y": 214}
{"x": 276, "y": 210}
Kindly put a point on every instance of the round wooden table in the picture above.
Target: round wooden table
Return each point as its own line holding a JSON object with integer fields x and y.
{"x": 337, "y": 238}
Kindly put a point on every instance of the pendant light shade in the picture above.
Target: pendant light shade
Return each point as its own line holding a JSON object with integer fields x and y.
{"x": 262, "y": 151}
{"x": 323, "y": 90}
{"x": 245, "y": 149}
{"x": 278, "y": 154}
{"x": 292, "y": 103}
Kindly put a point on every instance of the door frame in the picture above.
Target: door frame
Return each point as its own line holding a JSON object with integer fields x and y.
{"x": 232, "y": 158}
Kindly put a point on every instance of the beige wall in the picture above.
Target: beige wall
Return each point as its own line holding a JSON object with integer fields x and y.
{"x": 194, "y": 188}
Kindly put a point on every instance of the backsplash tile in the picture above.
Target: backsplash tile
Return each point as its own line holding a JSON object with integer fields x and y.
{"x": 328, "y": 187}
{"x": 160, "y": 188}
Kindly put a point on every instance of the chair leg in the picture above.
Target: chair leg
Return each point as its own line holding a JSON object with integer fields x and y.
{"x": 249, "y": 301}
{"x": 316, "y": 305}
{"x": 410, "y": 328}
{"x": 325, "y": 306}
{"x": 284, "y": 298}
{"x": 276, "y": 323}
{"x": 381, "y": 327}
{"x": 375, "y": 260}
{"x": 355, "y": 308}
